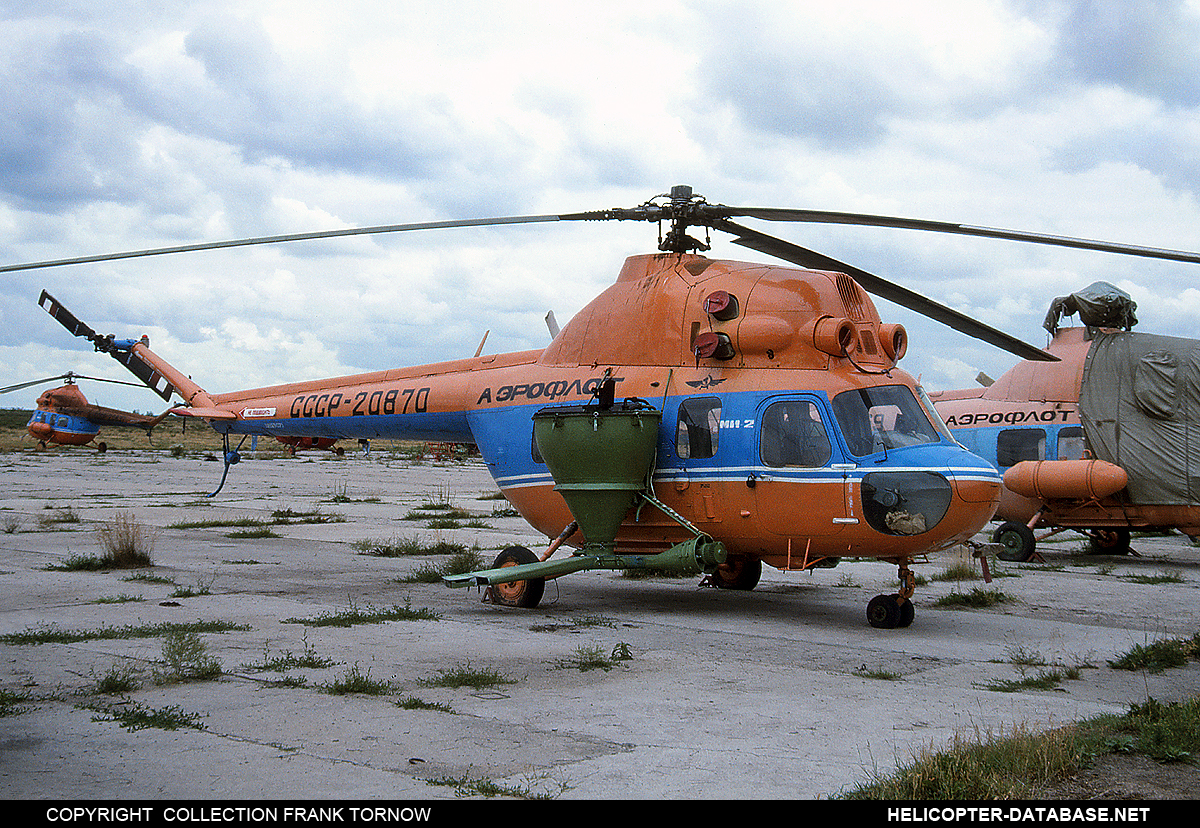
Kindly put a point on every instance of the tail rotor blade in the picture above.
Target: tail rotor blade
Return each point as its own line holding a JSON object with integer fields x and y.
{"x": 65, "y": 317}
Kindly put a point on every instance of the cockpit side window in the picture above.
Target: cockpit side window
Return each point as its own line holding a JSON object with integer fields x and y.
{"x": 881, "y": 418}
{"x": 699, "y": 428}
{"x": 794, "y": 435}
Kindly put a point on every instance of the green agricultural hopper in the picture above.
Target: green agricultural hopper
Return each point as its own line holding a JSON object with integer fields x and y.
{"x": 602, "y": 460}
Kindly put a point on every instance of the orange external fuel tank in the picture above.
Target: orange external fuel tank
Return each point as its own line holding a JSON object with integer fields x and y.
{"x": 1058, "y": 479}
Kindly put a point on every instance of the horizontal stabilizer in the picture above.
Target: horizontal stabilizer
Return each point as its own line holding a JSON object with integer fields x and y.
{"x": 205, "y": 413}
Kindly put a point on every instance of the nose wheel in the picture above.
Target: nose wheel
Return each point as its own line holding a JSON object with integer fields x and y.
{"x": 889, "y": 612}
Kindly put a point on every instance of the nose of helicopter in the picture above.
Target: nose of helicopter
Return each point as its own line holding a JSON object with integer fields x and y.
{"x": 976, "y": 486}
{"x": 941, "y": 493}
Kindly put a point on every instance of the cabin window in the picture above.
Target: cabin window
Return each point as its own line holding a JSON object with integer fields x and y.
{"x": 881, "y": 418}
{"x": 793, "y": 435}
{"x": 1070, "y": 443}
{"x": 699, "y": 427}
{"x": 1016, "y": 444}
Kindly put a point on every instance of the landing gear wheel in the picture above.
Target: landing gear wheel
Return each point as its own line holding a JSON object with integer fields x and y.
{"x": 907, "y": 613}
{"x": 1108, "y": 542}
{"x": 738, "y": 573}
{"x": 1017, "y": 540}
{"x": 883, "y": 612}
{"x": 526, "y": 593}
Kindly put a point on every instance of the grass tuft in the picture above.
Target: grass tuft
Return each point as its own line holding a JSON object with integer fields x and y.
{"x": 127, "y": 543}
{"x": 53, "y": 635}
{"x": 134, "y": 716}
{"x": 464, "y": 676}
{"x": 1021, "y": 764}
{"x": 975, "y": 599}
{"x": 356, "y": 681}
{"x": 1157, "y": 656}
{"x": 354, "y": 615}
{"x": 13, "y": 703}
{"x": 187, "y": 659}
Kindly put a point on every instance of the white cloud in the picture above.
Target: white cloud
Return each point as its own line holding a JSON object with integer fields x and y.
{"x": 145, "y": 125}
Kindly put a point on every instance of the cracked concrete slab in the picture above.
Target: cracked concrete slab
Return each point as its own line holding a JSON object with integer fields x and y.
{"x": 783, "y": 692}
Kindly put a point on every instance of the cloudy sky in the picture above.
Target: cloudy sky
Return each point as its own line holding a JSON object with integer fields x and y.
{"x": 140, "y": 125}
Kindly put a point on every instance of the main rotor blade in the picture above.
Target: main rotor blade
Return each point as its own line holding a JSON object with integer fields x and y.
{"x": 259, "y": 240}
{"x": 70, "y": 375}
{"x": 823, "y": 217}
{"x": 887, "y": 290}
{"x": 32, "y": 383}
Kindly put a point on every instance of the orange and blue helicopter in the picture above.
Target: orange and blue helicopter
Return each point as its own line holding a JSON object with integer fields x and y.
{"x": 700, "y": 415}
{"x": 64, "y": 416}
{"x": 1104, "y": 442}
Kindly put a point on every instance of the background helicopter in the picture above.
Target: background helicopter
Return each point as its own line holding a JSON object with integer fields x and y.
{"x": 1103, "y": 441}
{"x": 736, "y": 392}
{"x": 64, "y": 416}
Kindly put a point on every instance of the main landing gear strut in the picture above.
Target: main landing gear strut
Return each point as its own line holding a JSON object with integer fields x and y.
{"x": 887, "y": 612}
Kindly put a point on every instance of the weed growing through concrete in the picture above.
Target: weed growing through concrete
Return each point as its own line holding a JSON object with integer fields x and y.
{"x": 13, "y": 703}
{"x": 975, "y": 599}
{"x": 53, "y": 635}
{"x": 877, "y": 673}
{"x": 341, "y": 494}
{"x": 58, "y": 517}
{"x": 1043, "y": 680}
{"x": 202, "y": 587}
{"x": 146, "y": 578}
{"x": 960, "y": 571}
{"x": 400, "y": 547}
{"x": 259, "y": 532}
{"x": 356, "y": 681}
{"x": 1158, "y": 655}
{"x": 118, "y": 680}
{"x": 119, "y": 599}
{"x": 127, "y": 543}
{"x": 592, "y": 657}
{"x": 354, "y": 615}
{"x": 984, "y": 765}
{"x": 134, "y": 716}
{"x": 290, "y": 661}
{"x": 465, "y": 676}
{"x": 460, "y": 563}
{"x": 413, "y": 703}
{"x": 1021, "y": 763}
{"x": 466, "y": 786}
{"x": 1171, "y": 577}
{"x": 186, "y": 658}
{"x": 288, "y": 516}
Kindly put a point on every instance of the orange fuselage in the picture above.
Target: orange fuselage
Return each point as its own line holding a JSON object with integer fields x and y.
{"x": 788, "y": 432}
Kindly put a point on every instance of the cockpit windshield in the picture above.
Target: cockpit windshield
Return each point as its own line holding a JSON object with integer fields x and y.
{"x": 883, "y": 417}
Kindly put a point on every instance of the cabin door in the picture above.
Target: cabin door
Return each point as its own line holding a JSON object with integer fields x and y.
{"x": 800, "y": 494}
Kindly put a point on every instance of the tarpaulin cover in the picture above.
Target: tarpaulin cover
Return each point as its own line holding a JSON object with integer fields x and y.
{"x": 1099, "y": 305}
{"x": 1140, "y": 407}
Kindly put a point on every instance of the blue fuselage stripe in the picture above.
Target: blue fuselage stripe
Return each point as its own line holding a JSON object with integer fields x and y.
{"x": 504, "y": 435}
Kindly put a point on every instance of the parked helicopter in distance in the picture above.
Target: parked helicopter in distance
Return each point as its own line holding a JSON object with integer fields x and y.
{"x": 65, "y": 417}
{"x": 700, "y": 415}
{"x": 1103, "y": 441}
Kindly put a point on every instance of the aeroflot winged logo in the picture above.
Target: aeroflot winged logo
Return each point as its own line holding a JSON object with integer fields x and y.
{"x": 707, "y": 382}
{"x": 543, "y": 390}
